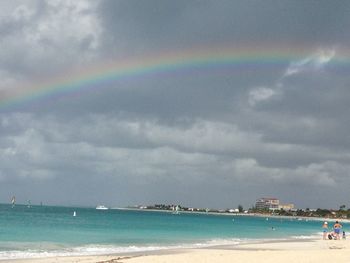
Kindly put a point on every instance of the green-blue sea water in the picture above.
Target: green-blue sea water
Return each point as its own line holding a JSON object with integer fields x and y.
{"x": 48, "y": 230}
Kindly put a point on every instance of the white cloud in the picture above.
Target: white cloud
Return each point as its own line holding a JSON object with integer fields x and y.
{"x": 313, "y": 62}
{"x": 324, "y": 56}
{"x": 260, "y": 94}
{"x": 41, "y": 159}
{"x": 49, "y": 36}
{"x": 296, "y": 67}
{"x": 200, "y": 136}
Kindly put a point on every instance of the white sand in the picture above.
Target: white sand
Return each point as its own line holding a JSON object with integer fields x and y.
{"x": 320, "y": 251}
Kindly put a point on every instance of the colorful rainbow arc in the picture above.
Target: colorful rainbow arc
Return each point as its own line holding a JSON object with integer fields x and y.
{"x": 156, "y": 64}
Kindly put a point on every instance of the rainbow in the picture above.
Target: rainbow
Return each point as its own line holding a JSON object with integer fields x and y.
{"x": 80, "y": 81}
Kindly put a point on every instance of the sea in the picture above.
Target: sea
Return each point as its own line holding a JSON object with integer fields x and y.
{"x": 44, "y": 231}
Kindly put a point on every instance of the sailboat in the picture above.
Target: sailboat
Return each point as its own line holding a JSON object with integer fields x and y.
{"x": 13, "y": 201}
{"x": 29, "y": 204}
{"x": 176, "y": 210}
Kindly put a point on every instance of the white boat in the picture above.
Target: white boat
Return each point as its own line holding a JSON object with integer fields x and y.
{"x": 101, "y": 207}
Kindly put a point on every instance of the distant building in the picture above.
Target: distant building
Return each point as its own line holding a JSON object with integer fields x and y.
{"x": 286, "y": 207}
{"x": 267, "y": 203}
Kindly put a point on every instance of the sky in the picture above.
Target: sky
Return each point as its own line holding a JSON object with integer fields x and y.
{"x": 212, "y": 135}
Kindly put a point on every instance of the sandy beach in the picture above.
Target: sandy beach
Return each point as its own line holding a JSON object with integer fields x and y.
{"x": 298, "y": 251}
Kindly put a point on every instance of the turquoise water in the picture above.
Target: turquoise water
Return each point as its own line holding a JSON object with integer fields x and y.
{"x": 45, "y": 230}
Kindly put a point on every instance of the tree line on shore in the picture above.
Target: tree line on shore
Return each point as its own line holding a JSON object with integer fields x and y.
{"x": 342, "y": 212}
{"x": 319, "y": 212}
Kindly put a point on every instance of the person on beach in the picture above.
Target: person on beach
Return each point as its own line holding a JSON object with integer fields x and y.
{"x": 337, "y": 226}
{"x": 325, "y": 230}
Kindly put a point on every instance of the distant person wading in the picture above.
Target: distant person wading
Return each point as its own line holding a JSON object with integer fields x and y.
{"x": 337, "y": 227}
{"x": 325, "y": 230}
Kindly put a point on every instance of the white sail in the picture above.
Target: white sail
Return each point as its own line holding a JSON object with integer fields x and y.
{"x": 176, "y": 209}
{"x": 13, "y": 201}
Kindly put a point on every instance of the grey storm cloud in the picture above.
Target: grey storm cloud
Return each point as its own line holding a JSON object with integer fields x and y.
{"x": 176, "y": 23}
{"x": 176, "y": 137}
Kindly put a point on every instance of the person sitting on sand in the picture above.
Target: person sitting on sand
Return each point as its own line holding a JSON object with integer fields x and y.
{"x": 325, "y": 230}
{"x": 337, "y": 226}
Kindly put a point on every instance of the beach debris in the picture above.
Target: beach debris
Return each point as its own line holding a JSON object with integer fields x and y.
{"x": 335, "y": 247}
{"x": 113, "y": 260}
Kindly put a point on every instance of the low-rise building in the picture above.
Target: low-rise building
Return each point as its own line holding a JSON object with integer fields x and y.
{"x": 286, "y": 207}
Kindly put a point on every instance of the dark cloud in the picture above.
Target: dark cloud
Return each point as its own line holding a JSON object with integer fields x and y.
{"x": 171, "y": 24}
{"x": 277, "y": 130}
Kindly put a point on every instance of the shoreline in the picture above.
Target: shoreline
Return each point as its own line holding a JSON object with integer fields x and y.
{"x": 345, "y": 220}
{"x": 266, "y": 251}
{"x": 158, "y": 250}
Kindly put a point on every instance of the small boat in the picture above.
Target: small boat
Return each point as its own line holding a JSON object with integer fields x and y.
{"x": 101, "y": 207}
{"x": 74, "y": 213}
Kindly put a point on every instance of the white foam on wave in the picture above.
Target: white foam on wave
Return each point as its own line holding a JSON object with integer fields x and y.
{"x": 93, "y": 249}
{"x": 57, "y": 250}
{"x": 304, "y": 237}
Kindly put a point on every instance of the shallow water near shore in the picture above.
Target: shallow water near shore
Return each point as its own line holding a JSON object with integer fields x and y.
{"x": 49, "y": 231}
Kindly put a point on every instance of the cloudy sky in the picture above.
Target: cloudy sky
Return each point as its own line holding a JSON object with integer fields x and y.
{"x": 207, "y": 137}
